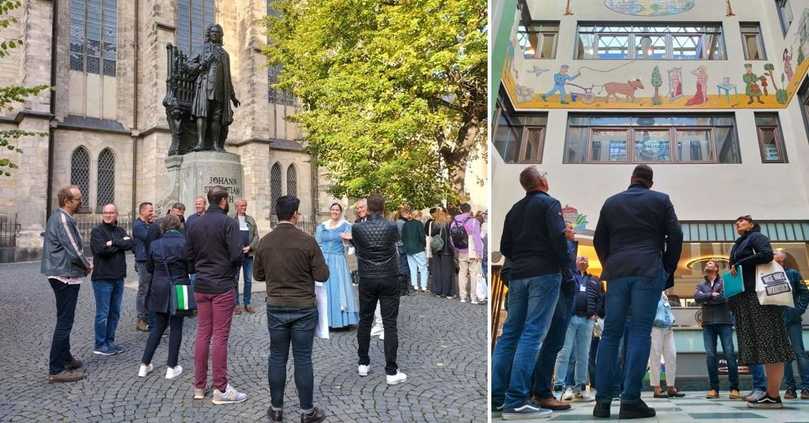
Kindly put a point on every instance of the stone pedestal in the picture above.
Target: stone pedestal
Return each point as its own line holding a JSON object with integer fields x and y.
{"x": 192, "y": 175}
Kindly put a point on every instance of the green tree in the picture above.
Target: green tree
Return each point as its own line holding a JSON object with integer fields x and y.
{"x": 657, "y": 81}
{"x": 11, "y": 95}
{"x": 393, "y": 92}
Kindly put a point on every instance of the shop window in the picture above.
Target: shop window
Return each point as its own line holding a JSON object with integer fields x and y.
{"x": 752, "y": 41}
{"x": 770, "y": 138}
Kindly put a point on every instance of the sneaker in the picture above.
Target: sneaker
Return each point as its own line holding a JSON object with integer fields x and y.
{"x": 449, "y": 297}
{"x": 473, "y": 302}
{"x": 66, "y": 376}
{"x": 790, "y": 394}
{"x": 172, "y": 372}
{"x": 712, "y": 394}
{"x": 672, "y": 392}
{"x": 635, "y": 410}
{"x": 316, "y": 416}
{"x": 382, "y": 336}
{"x": 525, "y": 412}
{"x": 200, "y": 393}
{"x": 568, "y": 395}
{"x": 117, "y": 348}
{"x": 230, "y": 396}
{"x": 602, "y": 409}
{"x": 377, "y": 330}
{"x": 363, "y": 369}
{"x": 396, "y": 379}
{"x": 74, "y": 364}
{"x": 804, "y": 393}
{"x": 104, "y": 350}
{"x": 755, "y": 395}
{"x": 145, "y": 369}
{"x": 142, "y": 326}
{"x": 735, "y": 394}
{"x": 581, "y": 396}
{"x": 463, "y": 300}
{"x": 766, "y": 402}
{"x": 275, "y": 415}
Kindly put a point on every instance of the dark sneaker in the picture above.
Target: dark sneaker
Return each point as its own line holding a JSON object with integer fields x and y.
{"x": 316, "y": 416}
{"x": 602, "y": 409}
{"x": 674, "y": 393}
{"x": 766, "y": 402}
{"x": 275, "y": 415}
{"x": 635, "y": 410}
{"x": 104, "y": 350}
{"x": 790, "y": 394}
{"x": 66, "y": 376}
{"x": 804, "y": 394}
{"x": 74, "y": 364}
{"x": 525, "y": 412}
{"x": 117, "y": 348}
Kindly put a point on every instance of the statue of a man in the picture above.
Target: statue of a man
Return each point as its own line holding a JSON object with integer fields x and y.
{"x": 213, "y": 92}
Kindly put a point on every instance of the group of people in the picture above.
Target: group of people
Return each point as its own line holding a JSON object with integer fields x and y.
{"x": 190, "y": 268}
{"x": 614, "y": 330}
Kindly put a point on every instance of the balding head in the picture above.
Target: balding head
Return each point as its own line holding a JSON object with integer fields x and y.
{"x": 532, "y": 180}
{"x": 109, "y": 214}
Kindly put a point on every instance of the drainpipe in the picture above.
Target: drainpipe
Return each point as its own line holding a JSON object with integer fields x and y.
{"x": 54, "y": 44}
{"x": 135, "y": 114}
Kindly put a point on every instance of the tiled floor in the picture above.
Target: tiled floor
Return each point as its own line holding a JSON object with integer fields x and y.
{"x": 693, "y": 408}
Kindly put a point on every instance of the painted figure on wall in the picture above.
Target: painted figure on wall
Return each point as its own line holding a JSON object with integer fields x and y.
{"x": 751, "y": 88}
{"x": 764, "y": 84}
{"x": 559, "y": 80}
{"x": 787, "y": 56}
{"x": 701, "y": 96}
{"x": 675, "y": 83}
{"x": 626, "y": 89}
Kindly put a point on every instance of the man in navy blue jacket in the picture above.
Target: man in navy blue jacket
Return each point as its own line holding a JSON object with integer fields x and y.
{"x": 638, "y": 241}
{"x": 144, "y": 230}
{"x": 534, "y": 242}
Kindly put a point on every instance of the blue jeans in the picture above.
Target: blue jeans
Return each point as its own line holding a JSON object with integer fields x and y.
{"x": 247, "y": 271}
{"x": 109, "y": 294}
{"x": 531, "y": 304}
{"x": 577, "y": 342}
{"x": 636, "y": 298}
{"x": 417, "y": 263}
{"x": 725, "y": 334}
{"x": 795, "y": 333}
{"x": 759, "y": 377}
{"x": 554, "y": 340}
{"x": 295, "y": 326}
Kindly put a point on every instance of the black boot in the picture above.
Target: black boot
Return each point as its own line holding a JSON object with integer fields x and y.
{"x": 602, "y": 409}
{"x": 316, "y": 416}
{"x": 635, "y": 410}
{"x": 275, "y": 415}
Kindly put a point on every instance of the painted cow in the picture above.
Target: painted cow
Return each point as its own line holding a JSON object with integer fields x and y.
{"x": 626, "y": 89}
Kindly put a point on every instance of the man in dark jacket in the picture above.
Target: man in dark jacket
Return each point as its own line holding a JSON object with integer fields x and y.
{"x": 109, "y": 243}
{"x": 215, "y": 252}
{"x": 792, "y": 320}
{"x": 638, "y": 241}
{"x": 292, "y": 263}
{"x": 534, "y": 241}
{"x": 378, "y": 264}
{"x": 415, "y": 243}
{"x": 717, "y": 322}
{"x": 144, "y": 230}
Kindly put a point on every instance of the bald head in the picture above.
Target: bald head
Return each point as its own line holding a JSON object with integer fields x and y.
{"x": 532, "y": 180}
{"x": 109, "y": 214}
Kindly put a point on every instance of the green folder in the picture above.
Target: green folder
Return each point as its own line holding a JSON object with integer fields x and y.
{"x": 733, "y": 284}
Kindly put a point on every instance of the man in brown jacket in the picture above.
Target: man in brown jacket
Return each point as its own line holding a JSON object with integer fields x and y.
{"x": 290, "y": 261}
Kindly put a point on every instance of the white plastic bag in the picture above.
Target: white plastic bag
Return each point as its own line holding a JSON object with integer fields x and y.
{"x": 773, "y": 286}
{"x": 482, "y": 289}
{"x": 321, "y": 297}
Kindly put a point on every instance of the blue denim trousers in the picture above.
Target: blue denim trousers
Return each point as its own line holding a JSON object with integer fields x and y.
{"x": 725, "y": 334}
{"x": 577, "y": 345}
{"x": 531, "y": 304}
{"x": 247, "y": 271}
{"x": 759, "y": 377}
{"x": 554, "y": 340}
{"x": 631, "y": 303}
{"x": 295, "y": 326}
{"x": 108, "y": 295}
{"x": 795, "y": 333}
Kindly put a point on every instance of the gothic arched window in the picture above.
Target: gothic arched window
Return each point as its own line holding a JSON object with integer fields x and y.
{"x": 105, "y": 183}
{"x": 275, "y": 185}
{"x": 292, "y": 181}
{"x": 80, "y": 174}
{"x": 94, "y": 36}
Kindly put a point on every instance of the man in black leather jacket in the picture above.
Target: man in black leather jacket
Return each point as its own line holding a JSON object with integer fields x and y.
{"x": 378, "y": 265}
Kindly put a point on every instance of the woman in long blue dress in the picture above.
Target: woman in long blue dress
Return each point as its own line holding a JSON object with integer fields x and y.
{"x": 330, "y": 235}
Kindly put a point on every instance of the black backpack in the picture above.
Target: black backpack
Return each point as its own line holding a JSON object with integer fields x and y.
{"x": 458, "y": 235}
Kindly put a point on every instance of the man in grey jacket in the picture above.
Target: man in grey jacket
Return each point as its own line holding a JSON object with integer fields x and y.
{"x": 65, "y": 267}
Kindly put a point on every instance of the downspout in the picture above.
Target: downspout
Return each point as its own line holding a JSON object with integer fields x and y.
{"x": 51, "y": 130}
{"x": 135, "y": 115}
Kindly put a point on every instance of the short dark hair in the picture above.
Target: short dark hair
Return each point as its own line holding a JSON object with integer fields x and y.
{"x": 530, "y": 178}
{"x": 286, "y": 206}
{"x": 143, "y": 205}
{"x": 178, "y": 206}
{"x": 66, "y": 194}
{"x": 466, "y": 208}
{"x": 216, "y": 194}
{"x": 643, "y": 174}
{"x": 170, "y": 222}
{"x": 376, "y": 204}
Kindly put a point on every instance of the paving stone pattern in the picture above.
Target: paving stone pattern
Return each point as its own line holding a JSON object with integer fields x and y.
{"x": 442, "y": 348}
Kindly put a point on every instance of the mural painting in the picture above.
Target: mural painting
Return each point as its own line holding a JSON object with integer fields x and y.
{"x": 649, "y": 7}
{"x": 572, "y": 215}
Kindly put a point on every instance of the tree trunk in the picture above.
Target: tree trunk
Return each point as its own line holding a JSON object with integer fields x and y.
{"x": 457, "y": 159}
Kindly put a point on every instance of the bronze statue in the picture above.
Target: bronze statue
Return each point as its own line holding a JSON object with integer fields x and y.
{"x": 198, "y": 96}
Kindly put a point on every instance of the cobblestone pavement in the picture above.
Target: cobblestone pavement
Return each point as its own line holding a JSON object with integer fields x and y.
{"x": 442, "y": 348}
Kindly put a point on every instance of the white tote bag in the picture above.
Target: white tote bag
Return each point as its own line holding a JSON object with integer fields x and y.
{"x": 429, "y": 241}
{"x": 482, "y": 289}
{"x": 321, "y": 297}
{"x": 772, "y": 285}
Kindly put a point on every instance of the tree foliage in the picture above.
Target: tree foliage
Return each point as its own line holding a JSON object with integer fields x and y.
{"x": 393, "y": 92}
{"x": 11, "y": 95}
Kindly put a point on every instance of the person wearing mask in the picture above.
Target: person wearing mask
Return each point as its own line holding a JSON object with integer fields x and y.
{"x": 291, "y": 263}
{"x": 144, "y": 230}
{"x": 214, "y": 248}
{"x": 109, "y": 243}
{"x": 792, "y": 320}
{"x": 443, "y": 262}
{"x": 331, "y": 236}
{"x": 638, "y": 241}
{"x": 248, "y": 233}
{"x": 376, "y": 242}
{"x": 199, "y": 210}
{"x": 464, "y": 233}
{"x": 169, "y": 267}
{"x": 580, "y": 331}
{"x": 759, "y": 328}
{"x": 717, "y": 323}
{"x": 663, "y": 346}
{"x": 65, "y": 267}
{"x": 414, "y": 245}
{"x": 534, "y": 242}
